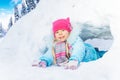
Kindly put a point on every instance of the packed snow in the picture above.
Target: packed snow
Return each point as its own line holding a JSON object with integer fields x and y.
{"x": 21, "y": 44}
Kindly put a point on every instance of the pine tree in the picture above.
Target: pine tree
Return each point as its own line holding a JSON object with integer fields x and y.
{"x": 30, "y": 5}
{"x": 37, "y": 1}
{"x": 0, "y": 27}
{"x": 24, "y": 9}
{"x": 10, "y": 23}
{"x": 16, "y": 13}
{"x": 2, "y": 31}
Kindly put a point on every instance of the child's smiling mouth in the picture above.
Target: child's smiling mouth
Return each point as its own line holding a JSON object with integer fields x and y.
{"x": 62, "y": 37}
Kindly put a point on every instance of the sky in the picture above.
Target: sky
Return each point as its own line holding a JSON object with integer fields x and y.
{"x": 6, "y": 9}
{"x": 8, "y": 4}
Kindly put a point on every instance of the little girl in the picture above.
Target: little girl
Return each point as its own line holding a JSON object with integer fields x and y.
{"x": 67, "y": 49}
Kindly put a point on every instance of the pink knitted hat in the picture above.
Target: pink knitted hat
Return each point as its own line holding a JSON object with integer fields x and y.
{"x": 62, "y": 24}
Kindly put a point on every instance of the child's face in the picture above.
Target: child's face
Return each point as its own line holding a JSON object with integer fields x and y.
{"x": 61, "y": 35}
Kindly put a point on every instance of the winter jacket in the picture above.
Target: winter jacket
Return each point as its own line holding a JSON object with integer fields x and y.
{"x": 81, "y": 51}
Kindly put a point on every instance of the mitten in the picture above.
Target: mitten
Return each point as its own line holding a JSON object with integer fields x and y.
{"x": 72, "y": 65}
{"x": 42, "y": 64}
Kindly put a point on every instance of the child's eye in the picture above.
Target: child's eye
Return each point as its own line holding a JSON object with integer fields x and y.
{"x": 57, "y": 32}
{"x": 63, "y": 30}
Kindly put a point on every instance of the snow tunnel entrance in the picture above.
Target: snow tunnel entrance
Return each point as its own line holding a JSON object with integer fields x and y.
{"x": 99, "y": 37}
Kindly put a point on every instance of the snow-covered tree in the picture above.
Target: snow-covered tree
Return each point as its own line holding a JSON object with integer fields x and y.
{"x": 30, "y": 5}
{"x": 37, "y": 1}
{"x": 23, "y": 10}
{"x": 2, "y": 31}
{"x": 0, "y": 26}
{"x": 10, "y": 23}
{"x": 16, "y": 13}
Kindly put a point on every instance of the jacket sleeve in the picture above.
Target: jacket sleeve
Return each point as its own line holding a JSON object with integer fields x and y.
{"x": 48, "y": 57}
{"x": 78, "y": 51}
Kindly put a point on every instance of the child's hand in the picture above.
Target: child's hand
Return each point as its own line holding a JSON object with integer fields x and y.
{"x": 72, "y": 65}
{"x": 42, "y": 64}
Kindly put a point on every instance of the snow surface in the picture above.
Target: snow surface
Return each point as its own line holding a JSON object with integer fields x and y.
{"x": 21, "y": 44}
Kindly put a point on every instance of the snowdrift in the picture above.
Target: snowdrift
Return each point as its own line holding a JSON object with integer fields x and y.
{"x": 21, "y": 44}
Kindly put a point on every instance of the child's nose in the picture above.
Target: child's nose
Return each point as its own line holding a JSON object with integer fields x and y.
{"x": 60, "y": 32}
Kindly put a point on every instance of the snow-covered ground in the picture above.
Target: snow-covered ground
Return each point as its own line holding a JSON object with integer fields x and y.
{"x": 21, "y": 44}
{"x": 1, "y": 40}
